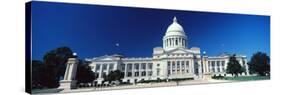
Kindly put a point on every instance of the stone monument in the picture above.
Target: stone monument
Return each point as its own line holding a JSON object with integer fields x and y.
{"x": 69, "y": 81}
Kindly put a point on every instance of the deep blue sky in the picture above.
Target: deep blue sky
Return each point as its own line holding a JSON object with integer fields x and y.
{"x": 92, "y": 30}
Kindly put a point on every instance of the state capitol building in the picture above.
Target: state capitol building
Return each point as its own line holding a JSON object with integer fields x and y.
{"x": 174, "y": 60}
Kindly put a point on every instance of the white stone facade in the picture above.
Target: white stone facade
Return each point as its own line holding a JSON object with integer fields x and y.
{"x": 216, "y": 65}
{"x": 172, "y": 61}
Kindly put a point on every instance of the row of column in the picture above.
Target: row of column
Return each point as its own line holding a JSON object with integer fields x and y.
{"x": 107, "y": 69}
{"x": 222, "y": 66}
{"x": 140, "y": 70}
{"x": 170, "y": 42}
{"x": 219, "y": 66}
{"x": 183, "y": 65}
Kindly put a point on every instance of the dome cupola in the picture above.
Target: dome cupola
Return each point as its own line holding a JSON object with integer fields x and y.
{"x": 175, "y": 28}
{"x": 175, "y": 36}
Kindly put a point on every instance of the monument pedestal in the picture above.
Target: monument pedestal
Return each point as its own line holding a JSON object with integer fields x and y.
{"x": 68, "y": 84}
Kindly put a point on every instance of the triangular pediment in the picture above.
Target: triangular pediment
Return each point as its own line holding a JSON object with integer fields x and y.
{"x": 179, "y": 51}
{"x": 105, "y": 58}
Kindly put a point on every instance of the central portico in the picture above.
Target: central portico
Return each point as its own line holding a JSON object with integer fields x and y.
{"x": 175, "y": 59}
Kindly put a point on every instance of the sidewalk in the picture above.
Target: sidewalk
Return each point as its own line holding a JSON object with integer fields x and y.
{"x": 147, "y": 85}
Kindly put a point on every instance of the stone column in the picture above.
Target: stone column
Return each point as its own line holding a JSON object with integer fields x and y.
{"x": 216, "y": 70}
{"x": 133, "y": 70}
{"x": 200, "y": 69}
{"x": 69, "y": 81}
{"x": 107, "y": 69}
{"x": 101, "y": 66}
{"x": 66, "y": 72}
{"x": 192, "y": 66}
{"x": 168, "y": 42}
{"x": 180, "y": 41}
{"x": 180, "y": 67}
{"x": 146, "y": 69}
{"x": 173, "y": 41}
{"x": 125, "y": 72}
{"x": 208, "y": 66}
{"x": 221, "y": 66}
{"x": 184, "y": 64}
{"x": 171, "y": 68}
{"x": 139, "y": 69}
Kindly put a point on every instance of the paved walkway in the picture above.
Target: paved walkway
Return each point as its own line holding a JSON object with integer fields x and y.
{"x": 147, "y": 85}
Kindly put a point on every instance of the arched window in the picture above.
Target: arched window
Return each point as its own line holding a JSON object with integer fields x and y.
{"x": 176, "y": 41}
{"x": 183, "y": 42}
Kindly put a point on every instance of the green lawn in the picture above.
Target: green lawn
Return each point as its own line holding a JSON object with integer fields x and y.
{"x": 50, "y": 90}
{"x": 248, "y": 78}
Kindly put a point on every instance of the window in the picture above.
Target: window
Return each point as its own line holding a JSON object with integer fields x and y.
{"x": 169, "y": 64}
{"x": 150, "y": 65}
{"x": 98, "y": 67}
{"x": 187, "y": 64}
{"x": 176, "y": 41}
{"x": 213, "y": 63}
{"x": 103, "y": 75}
{"x": 143, "y": 66}
{"x": 178, "y": 64}
{"x": 129, "y": 74}
{"x": 169, "y": 68}
{"x": 183, "y": 42}
{"x": 136, "y": 65}
{"x": 182, "y": 64}
{"x": 123, "y": 67}
{"x": 150, "y": 73}
{"x": 218, "y": 63}
{"x": 158, "y": 71}
{"x": 173, "y": 64}
{"x": 169, "y": 71}
{"x": 111, "y": 66}
{"x": 158, "y": 65}
{"x": 143, "y": 73}
{"x": 222, "y": 63}
{"x": 104, "y": 66}
{"x": 129, "y": 66}
{"x": 213, "y": 69}
{"x": 136, "y": 74}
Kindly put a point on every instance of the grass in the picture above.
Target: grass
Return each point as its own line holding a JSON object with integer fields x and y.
{"x": 247, "y": 78}
{"x": 47, "y": 90}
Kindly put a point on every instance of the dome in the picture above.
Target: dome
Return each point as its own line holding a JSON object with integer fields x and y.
{"x": 175, "y": 37}
{"x": 175, "y": 29}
